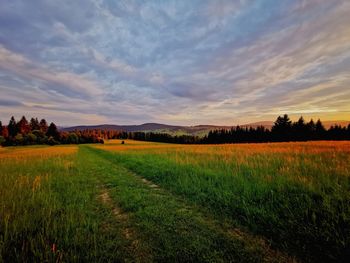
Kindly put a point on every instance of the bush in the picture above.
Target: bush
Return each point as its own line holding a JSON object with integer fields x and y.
{"x": 51, "y": 141}
{"x": 2, "y": 140}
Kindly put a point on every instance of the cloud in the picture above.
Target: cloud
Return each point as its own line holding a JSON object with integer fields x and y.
{"x": 68, "y": 83}
{"x": 186, "y": 62}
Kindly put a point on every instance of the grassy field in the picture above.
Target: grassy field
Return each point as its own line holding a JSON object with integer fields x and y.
{"x": 149, "y": 202}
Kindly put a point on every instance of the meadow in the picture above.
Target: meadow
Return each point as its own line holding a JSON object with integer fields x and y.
{"x": 154, "y": 202}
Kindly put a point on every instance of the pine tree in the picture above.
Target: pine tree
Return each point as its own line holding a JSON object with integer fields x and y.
{"x": 23, "y": 126}
{"x": 320, "y": 130}
{"x": 34, "y": 124}
{"x": 52, "y": 131}
{"x": 282, "y": 128}
{"x": 300, "y": 130}
{"x": 311, "y": 130}
{"x": 12, "y": 127}
{"x": 43, "y": 126}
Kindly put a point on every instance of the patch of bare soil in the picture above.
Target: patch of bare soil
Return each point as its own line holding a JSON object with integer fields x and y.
{"x": 149, "y": 183}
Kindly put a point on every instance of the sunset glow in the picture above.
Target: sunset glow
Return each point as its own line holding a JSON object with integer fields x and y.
{"x": 175, "y": 62}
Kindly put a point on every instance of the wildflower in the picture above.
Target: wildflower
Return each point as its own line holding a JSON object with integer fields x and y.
{"x": 54, "y": 248}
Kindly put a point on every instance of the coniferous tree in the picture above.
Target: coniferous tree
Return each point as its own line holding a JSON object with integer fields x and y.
{"x": 310, "y": 130}
{"x": 43, "y": 125}
{"x": 299, "y": 130}
{"x": 34, "y": 124}
{"x": 2, "y": 138}
{"x": 12, "y": 127}
{"x": 52, "y": 131}
{"x": 282, "y": 128}
{"x": 23, "y": 126}
{"x": 320, "y": 130}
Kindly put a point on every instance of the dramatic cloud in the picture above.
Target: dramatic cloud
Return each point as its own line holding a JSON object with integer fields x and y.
{"x": 178, "y": 62}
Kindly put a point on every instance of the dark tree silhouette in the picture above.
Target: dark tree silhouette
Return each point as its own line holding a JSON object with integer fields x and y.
{"x": 22, "y": 133}
{"x": 299, "y": 130}
{"x": 43, "y": 125}
{"x": 52, "y": 131}
{"x": 282, "y": 128}
{"x": 319, "y": 126}
{"x": 12, "y": 127}
{"x": 34, "y": 124}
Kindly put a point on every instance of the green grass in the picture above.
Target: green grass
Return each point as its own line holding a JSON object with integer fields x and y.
{"x": 94, "y": 205}
{"x": 173, "y": 230}
{"x": 308, "y": 219}
{"x": 51, "y": 201}
{"x": 52, "y": 210}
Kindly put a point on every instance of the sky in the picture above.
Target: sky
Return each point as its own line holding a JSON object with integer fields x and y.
{"x": 175, "y": 62}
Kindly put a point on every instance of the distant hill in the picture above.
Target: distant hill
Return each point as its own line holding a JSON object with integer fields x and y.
{"x": 199, "y": 130}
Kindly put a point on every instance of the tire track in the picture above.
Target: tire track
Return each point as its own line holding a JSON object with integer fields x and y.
{"x": 249, "y": 240}
{"x": 135, "y": 249}
{"x": 252, "y": 243}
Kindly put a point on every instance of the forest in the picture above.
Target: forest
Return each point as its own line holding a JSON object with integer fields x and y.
{"x": 34, "y": 131}
{"x": 283, "y": 130}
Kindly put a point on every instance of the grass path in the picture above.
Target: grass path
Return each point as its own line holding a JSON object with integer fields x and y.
{"x": 77, "y": 204}
{"x": 294, "y": 195}
{"x": 139, "y": 254}
{"x": 162, "y": 227}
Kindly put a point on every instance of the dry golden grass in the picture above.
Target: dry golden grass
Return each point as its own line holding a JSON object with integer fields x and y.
{"x": 240, "y": 153}
{"x": 313, "y": 147}
{"x": 116, "y": 145}
{"x": 290, "y": 158}
{"x": 41, "y": 152}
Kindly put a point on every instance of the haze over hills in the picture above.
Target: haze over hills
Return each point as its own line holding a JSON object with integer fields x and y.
{"x": 199, "y": 130}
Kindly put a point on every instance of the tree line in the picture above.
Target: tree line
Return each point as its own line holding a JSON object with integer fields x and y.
{"x": 32, "y": 132}
{"x": 283, "y": 130}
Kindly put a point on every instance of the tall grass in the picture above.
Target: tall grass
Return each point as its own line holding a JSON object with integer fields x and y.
{"x": 295, "y": 194}
{"x": 48, "y": 208}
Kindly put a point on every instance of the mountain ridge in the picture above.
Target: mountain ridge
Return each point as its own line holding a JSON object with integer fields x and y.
{"x": 199, "y": 130}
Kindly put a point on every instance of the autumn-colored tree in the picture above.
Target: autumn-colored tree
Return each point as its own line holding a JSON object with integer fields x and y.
{"x": 23, "y": 126}
{"x": 5, "y": 132}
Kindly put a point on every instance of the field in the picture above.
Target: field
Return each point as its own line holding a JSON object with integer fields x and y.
{"x": 150, "y": 202}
